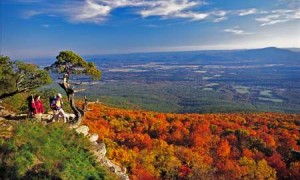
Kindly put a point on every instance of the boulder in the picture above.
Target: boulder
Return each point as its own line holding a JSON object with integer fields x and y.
{"x": 46, "y": 117}
{"x": 83, "y": 130}
{"x": 93, "y": 137}
{"x": 70, "y": 117}
{"x": 101, "y": 149}
{"x": 115, "y": 169}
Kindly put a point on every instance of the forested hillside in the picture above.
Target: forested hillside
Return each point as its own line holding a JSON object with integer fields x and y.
{"x": 199, "y": 146}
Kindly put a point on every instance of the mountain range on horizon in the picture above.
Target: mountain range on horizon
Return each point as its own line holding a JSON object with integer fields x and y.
{"x": 262, "y": 55}
{"x": 259, "y": 55}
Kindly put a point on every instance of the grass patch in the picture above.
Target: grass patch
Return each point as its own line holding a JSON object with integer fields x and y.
{"x": 37, "y": 151}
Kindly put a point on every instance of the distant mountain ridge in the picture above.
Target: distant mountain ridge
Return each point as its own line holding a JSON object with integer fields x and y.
{"x": 260, "y": 55}
{"x": 256, "y": 56}
{"x": 270, "y": 55}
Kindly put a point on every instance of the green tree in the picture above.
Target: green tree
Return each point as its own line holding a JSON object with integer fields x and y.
{"x": 68, "y": 63}
{"x": 18, "y": 77}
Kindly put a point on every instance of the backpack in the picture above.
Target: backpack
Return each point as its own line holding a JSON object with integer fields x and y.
{"x": 29, "y": 103}
{"x": 52, "y": 101}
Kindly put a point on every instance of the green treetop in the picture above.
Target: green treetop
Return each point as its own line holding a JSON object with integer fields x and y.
{"x": 17, "y": 77}
{"x": 74, "y": 64}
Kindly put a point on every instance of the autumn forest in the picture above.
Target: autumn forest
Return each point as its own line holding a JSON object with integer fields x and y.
{"x": 154, "y": 145}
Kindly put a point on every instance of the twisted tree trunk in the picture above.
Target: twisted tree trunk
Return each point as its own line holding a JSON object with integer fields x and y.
{"x": 79, "y": 113}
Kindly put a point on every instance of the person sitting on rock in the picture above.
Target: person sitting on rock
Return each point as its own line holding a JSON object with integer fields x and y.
{"x": 37, "y": 107}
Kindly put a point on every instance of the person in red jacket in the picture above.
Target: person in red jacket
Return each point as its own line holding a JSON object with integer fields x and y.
{"x": 38, "y": 108}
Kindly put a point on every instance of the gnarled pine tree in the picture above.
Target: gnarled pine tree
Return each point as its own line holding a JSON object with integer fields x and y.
{"x": 69, "y": 63}
{"x": 18, "y": 77}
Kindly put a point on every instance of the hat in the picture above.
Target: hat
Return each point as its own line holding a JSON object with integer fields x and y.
{"x": 59, "y": 95}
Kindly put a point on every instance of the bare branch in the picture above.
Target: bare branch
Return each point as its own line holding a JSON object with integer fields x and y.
{"x": 85, "y": 105}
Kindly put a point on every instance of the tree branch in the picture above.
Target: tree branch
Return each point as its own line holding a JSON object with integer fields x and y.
{"x": 85, "y": 105}
{"x": 5, "y": 95}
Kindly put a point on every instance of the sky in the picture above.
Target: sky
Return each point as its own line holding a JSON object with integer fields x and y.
{"x": 43, "y": 28}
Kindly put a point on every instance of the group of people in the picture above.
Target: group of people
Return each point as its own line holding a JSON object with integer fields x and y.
{"x": 36, "y": 107}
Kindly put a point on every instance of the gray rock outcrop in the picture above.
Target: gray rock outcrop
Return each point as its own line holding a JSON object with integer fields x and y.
{"x": 99, "y": 150}
{"x": 93, "y": 137}
{"x": 83, "y": 130}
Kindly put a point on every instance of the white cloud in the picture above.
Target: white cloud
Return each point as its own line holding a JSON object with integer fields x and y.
{"x": 167, "y": 7}
{"x": 127, "y": 3}
{"x": 220, "y": 19}
{"x": 89, "y": 12}
{"x": 218, "y": 16}
{"x": 236, "y": 30}
{"x": 31, "y": 13}
{"x": 279, "y": 16}
{"x": 97, "y": 11}
{"x": 191, "y": 15}
{"x": 245, "y": 12}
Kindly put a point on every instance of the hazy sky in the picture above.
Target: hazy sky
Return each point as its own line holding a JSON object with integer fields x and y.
{"x": 42, "y": 28}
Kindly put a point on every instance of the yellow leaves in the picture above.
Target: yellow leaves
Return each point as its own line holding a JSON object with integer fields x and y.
{"x": 248, "y": 167}
{"x": 124, "y": 156}
{"x": 264, "y": 171}
{"x": 120, "y": 125}
{"x": 160, "y": 159}
{"x": 260, "y": 170}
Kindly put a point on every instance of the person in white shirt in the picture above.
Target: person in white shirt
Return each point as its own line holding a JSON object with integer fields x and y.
{"x": 57, "y": 109}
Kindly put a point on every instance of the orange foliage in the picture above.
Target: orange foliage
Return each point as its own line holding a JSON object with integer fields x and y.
{"x": 223, "y": 149}
{"x": 268, "y": 139}
{"x": 140, "y": 173}
{"x": 247, "y": 153}
{"x": 182, "y": 146}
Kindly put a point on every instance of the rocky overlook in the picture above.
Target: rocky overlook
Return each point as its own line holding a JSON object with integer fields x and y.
{"x": 9, "y": 120}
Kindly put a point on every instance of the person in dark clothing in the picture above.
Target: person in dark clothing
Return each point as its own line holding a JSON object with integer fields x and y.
{"x": 29, "y": 104}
